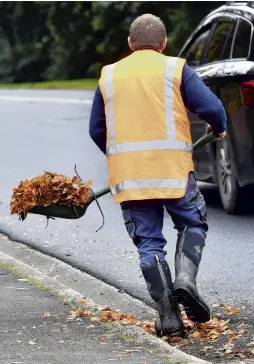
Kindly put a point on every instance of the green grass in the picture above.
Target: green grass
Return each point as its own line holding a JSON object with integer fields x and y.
{"x": 88, "y": 84}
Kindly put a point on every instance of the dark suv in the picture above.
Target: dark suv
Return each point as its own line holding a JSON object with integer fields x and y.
{"x": 221, "y": 49}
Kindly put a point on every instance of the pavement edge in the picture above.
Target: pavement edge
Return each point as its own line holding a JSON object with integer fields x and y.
{"x": 69, "y": 295}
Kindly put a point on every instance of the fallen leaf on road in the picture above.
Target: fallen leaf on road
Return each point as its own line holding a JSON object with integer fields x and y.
{"x": 130, "y": 320}
{"x": 73, "y": 314}
{"x": 80, "y": 302}
{"x": 230, "y": 311}
{"x": 105, "y": 316}
{"x": 46, "y": 314}
{"x": 233, "y": 335}
{"x": 116, "y": 315}
{"x": 85, "y": 314}
{"x": 196, "y": 334}
{"x": 228, "y": 351}
{"x": 251, "y": 343}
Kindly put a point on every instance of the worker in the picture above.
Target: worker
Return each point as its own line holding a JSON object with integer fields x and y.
{"x": 139, "y": 120}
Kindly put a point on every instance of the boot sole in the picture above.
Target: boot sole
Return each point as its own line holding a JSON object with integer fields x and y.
{"x": 172, "y": 333}
{"x": 194, "y": 308}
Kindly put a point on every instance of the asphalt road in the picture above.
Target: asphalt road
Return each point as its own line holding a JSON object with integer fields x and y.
{"x": 50, "y": 133}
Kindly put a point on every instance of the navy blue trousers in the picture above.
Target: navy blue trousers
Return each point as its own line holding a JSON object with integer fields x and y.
{"x": 144, "y": 220}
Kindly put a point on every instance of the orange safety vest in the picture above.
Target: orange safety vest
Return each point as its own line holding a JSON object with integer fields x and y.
{"x": 149, "y": 145}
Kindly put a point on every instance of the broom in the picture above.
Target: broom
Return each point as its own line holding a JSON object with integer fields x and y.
{"x": 69, "y": 212}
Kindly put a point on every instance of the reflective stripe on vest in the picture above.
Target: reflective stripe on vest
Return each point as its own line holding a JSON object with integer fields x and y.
{"x": 171, "y": 143}
{"x": 152, "y": 183}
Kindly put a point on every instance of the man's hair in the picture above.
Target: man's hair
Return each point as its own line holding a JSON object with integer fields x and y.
{"x": 147, "y": 32}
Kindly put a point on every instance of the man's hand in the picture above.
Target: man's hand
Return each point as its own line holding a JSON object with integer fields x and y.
{"x": 219, "y": 135}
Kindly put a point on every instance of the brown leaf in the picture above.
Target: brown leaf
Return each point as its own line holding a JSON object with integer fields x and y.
{"x": 85, "y": 314}
{"x": 115, "y": 315}
{"x": 47, "y": 189}
{"x": 105, "y": 316}
{"x": 131, "y": 320}
{"x": 81, "y": 302}
{"x": 102, "y": 340}
{"x": 233, "y": 335}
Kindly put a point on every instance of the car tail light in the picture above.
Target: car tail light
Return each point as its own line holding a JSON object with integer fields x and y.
{"x": 247, "y": 93}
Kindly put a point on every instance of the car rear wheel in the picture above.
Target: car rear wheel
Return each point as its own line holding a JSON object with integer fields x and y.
{"x": 226, "y": 178}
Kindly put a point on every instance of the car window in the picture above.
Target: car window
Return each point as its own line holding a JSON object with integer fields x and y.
{"x": 194, "y": 52}
{"x": 226, "y": 52}
{"x": 218, "y": 42}
{"x": 242, "y": 40}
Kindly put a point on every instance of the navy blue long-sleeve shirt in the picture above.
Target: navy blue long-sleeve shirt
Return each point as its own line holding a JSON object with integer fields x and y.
{"x": 196, "y": 96}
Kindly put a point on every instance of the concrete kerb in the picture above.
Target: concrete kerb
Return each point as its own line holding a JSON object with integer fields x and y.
{"x": 69, "y": 295}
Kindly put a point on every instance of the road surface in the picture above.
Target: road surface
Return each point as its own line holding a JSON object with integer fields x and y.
{"x": 48, "y": 130}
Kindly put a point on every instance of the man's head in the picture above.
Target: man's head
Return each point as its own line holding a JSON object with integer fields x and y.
{"x": 147, "y": 32}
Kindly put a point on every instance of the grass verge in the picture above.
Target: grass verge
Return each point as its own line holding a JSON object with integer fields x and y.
{"x": 87, "y": 84}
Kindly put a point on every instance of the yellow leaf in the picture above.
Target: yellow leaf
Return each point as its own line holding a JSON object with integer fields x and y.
{"x": 196, "y": 334}
{"x": 228, "y": 351}
{"x": 46, "y": 314}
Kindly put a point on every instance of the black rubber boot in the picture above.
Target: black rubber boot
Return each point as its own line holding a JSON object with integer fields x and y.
{"x": 159, "y": 284}
{"x": 187, "y": 259}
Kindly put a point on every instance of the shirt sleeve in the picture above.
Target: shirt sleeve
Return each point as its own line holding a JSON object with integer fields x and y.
{"x": 200, "y": 100}
{"x": 97, "y": 125}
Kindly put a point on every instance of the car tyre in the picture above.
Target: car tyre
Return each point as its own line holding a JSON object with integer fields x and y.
{"x": 226, "y": 179}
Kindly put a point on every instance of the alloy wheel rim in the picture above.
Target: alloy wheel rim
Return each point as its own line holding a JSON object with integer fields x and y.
{"x": 225, "y": 170}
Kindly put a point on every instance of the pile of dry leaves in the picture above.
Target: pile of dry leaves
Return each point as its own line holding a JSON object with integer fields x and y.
{"x": 49, "y": 188}
{"x": 206, "y": 334}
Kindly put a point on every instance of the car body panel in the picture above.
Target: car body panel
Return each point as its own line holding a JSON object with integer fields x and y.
{"x": 224, "y": 78}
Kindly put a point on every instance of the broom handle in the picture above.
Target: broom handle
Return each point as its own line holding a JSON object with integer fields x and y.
{"x": 203, "y": 141}
{"x": 199, "y": 144}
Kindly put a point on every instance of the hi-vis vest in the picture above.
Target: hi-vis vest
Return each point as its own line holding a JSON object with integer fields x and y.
{"x": 149, "y": 146}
